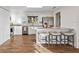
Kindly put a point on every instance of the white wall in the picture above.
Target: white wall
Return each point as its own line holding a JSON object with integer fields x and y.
{"x": 18, "y": 16}
{"x": 4, "y": 26}
{"x": 70, "y": 19}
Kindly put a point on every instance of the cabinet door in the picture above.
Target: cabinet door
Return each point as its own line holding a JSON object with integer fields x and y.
{"x": 31, "y": 30}
{"x": 17, "y": 30}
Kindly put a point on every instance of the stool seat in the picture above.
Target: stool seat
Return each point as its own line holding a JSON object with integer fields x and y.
{"x": 55, "y": 33}
{"x": 68, "y": 33}
{"x": 44, "y": 33}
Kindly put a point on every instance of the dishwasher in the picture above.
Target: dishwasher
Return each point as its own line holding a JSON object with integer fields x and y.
{"x": 24, "y": 30}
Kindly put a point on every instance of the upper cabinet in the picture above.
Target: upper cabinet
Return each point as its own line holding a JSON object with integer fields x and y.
{"x": 49, "y": 21}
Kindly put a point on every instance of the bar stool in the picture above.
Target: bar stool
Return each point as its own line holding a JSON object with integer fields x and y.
{"x": 55, "y": 37}
{"x": 44, "y": 37}
{"x": 69, "y": 38}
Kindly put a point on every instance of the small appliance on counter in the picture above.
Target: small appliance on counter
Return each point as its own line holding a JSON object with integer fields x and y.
{"x": 45, "y": 25}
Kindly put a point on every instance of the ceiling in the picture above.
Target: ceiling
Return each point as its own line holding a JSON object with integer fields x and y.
{"x": 30, "y": 9}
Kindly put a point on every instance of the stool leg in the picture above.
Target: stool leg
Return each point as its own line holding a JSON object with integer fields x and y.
{"x": 68, "y": 37}
{"x": 56, "y": 40}
{"x": 64, "y": 40}
{"x": 53, "y": 38}
{"x": 46, "y": 39}
{"x": 73, "y": 40}
{"x": 60, "y": 40}
{"x": 39, "y": 38}
{"x": 52, "y": 41}
{"x": 49, "y": 40}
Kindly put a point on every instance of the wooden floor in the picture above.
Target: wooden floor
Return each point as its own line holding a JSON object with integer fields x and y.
{"x": 18, "y": 44}
{"x": 62, "y": 49}
{"x": 26, "y": 44}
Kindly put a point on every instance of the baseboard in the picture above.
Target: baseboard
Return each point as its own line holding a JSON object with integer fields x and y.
{"x": 4, "y": 42}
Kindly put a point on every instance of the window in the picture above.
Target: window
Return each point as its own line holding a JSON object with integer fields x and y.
{"x": 32, "y": 19}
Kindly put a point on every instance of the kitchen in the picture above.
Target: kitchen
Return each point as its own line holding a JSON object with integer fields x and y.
{"x": 24, "y": 19}
{"x": 36, "y": 22}
{"x": 46, "y": 24}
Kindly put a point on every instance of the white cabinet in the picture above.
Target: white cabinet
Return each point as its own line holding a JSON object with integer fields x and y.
{"x": 31, "y": 30}
{"x": 17, "y": 30}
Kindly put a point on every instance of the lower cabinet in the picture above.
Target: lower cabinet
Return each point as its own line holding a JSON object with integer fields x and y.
{"x": 17, "y": 30}
{"x": 24, "y": 30}
{"x": 31, "y": 30}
